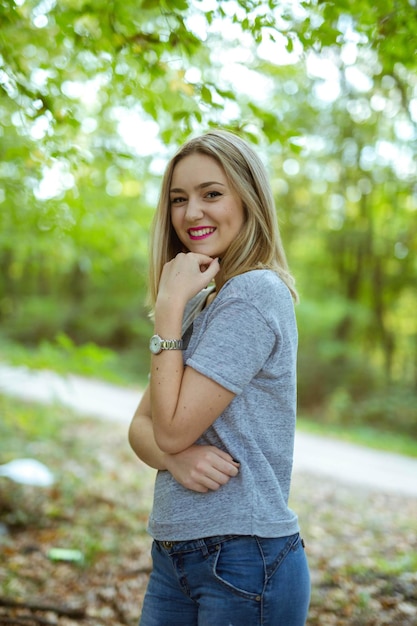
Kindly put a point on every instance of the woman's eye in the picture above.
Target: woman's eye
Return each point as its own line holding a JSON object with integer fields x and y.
{"x": 213, "y": 194}
{"x": 178, "y": 200}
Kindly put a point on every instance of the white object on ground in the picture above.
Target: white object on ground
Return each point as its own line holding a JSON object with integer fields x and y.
{"x": 27, "y": 472}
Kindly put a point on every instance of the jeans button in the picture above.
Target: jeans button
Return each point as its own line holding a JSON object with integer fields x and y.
{"x": 167, "y": 544}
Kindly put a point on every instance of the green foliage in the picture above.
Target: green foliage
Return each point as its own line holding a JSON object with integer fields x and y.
{"x": 326, "y": 362}
{"x": 391, "y": 408}
{"x": 95, "y": 96}
{"x": 62, "y": 355}
{"x": 363, "y": 435}
{"x": 22, "y": 432}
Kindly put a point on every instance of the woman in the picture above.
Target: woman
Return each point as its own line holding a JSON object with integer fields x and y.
{"x": 218, "y": 417}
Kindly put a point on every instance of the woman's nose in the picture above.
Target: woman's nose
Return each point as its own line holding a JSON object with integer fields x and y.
{"x": 194, "y": 209}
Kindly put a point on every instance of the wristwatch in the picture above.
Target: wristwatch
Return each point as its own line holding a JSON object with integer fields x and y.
{"x": 156, "y": 344}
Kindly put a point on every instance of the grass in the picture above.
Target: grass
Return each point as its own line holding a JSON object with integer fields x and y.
{"x": 129, "y": 367}
{"x": 368, "y": 436}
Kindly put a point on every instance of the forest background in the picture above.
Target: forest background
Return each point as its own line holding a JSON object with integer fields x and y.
{"x": 94, "y": 98}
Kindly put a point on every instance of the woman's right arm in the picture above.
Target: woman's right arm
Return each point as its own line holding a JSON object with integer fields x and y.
{"x": 199, "y": 468}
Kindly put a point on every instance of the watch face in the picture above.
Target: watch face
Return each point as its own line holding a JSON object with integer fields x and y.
{"x": 155, "y": 344}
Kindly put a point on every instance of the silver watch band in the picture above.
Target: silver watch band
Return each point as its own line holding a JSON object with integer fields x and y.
{"x": 171, "y": 344}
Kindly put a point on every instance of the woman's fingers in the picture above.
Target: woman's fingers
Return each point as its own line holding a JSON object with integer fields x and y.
{"x": 202, "y": 468}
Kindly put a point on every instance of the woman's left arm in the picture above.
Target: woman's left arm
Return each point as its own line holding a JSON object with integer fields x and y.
{"x": 184, "y": 402}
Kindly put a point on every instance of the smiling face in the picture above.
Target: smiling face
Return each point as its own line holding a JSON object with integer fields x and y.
{"x": 206, "y": 213}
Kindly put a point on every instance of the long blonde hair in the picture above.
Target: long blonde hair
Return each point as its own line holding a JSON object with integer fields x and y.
{"x": 258, "y": 245}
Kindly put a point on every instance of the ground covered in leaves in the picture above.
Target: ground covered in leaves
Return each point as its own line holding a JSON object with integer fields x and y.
{"x": 362, "y": 545}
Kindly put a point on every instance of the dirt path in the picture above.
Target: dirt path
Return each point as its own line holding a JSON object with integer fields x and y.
{"x": 344, "y": 462}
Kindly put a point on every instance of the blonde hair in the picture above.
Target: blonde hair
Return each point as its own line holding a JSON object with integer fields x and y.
{"x": 258, "y": 245}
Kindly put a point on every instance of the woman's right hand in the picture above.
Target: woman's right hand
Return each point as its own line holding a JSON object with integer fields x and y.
{"x": 202, "y": 468}
{"x": 184, "y": 276}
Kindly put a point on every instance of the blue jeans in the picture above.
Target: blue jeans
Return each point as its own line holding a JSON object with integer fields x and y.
{"x": 228, "y": 581}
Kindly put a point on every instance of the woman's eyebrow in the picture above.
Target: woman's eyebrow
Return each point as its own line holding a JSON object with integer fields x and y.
{"x": 200, "y": 186}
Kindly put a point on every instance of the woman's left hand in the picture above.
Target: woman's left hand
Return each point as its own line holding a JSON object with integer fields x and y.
{"x": 202, "y": 468}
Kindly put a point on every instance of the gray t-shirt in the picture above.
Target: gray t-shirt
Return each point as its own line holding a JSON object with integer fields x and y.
{"x": 246, "y": 340}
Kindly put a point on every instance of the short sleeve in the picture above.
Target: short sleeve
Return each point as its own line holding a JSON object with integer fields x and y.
{"x": 234, "y": 345}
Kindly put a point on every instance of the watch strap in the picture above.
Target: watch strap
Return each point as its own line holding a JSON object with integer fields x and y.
{"x": 172, "y": 344}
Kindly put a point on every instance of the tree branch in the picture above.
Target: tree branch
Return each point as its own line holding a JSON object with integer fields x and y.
{"x": 76, "y": 613}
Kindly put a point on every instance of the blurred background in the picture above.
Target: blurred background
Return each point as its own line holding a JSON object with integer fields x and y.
{"x": 96, "y": 96}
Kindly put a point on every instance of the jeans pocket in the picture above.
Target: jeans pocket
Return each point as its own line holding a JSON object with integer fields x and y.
{"x": 275, "y": 551}
{"x": 239, "y": 566}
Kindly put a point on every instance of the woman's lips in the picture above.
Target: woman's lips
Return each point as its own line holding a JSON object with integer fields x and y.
{"x": 200, "y": 233}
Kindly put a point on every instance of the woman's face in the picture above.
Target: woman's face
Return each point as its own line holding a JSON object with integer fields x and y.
{"x": 206, "y": 213}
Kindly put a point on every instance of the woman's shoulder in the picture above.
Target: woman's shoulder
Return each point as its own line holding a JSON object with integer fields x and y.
{"x": 262, "y": 290}
{"x": 257, "y": 285}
